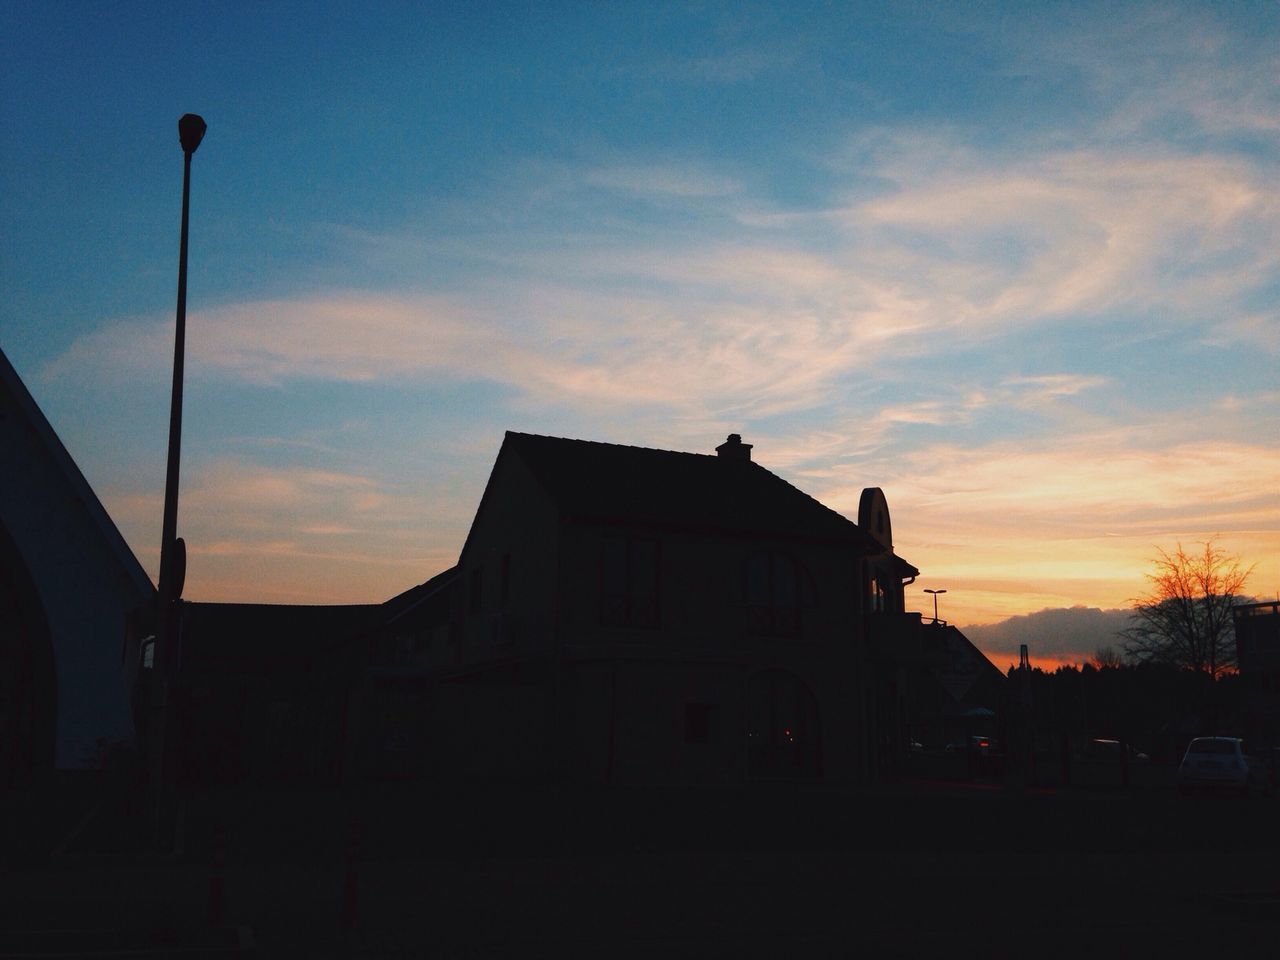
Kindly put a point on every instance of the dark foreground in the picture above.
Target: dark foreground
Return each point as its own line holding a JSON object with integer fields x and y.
{"x": 903, "y": 869}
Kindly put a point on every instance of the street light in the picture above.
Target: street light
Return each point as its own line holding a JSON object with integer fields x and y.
{"x": 935, "y": 601}
{"x": 173, "y": 554}
{"x": 191, "y": 130}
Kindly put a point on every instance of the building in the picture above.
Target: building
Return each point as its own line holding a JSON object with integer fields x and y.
{"x": 1257, "y": 630}
{"x": 263, "y": 691}
{"x": 622, "y": 614}
{"x": 68, "y": 581}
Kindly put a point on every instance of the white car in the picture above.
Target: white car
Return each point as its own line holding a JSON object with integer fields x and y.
{"x": 1216, "y": 762}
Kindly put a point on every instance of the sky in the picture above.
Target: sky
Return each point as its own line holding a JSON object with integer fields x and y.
{"x": 1016, "y": 265}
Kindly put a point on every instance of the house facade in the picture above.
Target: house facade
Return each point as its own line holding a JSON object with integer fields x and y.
{"x": 621, "y": 614}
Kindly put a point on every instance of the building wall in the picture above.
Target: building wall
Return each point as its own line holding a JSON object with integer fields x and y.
{"x": 665, "y": 694}
{"x": 704, "y": 601}
{"x": 516, "y": 528}
{"x": 83, "y": 588}
{"x": 631, "y": 703}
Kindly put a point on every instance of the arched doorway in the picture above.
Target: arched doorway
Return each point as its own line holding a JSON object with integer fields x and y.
{"x": 28, "y": 690}
{"x": 784, "y": 726}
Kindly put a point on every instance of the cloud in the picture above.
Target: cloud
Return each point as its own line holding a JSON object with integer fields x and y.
{"x": 1054, "y": 385}
{"x": 1066, "y": 519}
{"x": 1075, "y": 233}
{"x": 1069, "y": 634}
{"x": 264, "y": 533}
{"x": 554, "y": 344}
{"x": 957, "y": 247}
{"x": 1163, "y": 68}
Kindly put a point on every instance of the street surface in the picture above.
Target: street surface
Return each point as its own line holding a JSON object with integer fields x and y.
{"x": 902, "y": 869}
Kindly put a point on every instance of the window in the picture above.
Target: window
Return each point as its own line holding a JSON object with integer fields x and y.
{"x": 629, "y": 582}
{"x": 147, "y": 653}
{"x": 876, "y": 596}
{"x": 700, "y": 722}
{"x": 477, "y": 586}
{"x": 776, "y": 588}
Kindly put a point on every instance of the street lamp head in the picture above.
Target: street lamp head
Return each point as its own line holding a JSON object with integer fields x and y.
{"x": 191, "y": 130}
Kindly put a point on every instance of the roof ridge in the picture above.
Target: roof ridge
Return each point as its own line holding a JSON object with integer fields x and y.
{"x": 616, "y": 446}
{"x": 686, "y": 453}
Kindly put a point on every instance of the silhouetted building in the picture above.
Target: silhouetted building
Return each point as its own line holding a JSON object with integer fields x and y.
{"x": 953, "y": 690}
{"x": 1257, "y": 629}
{"x": 617, "y": 614}
{"x": 630, "y": 614}
{"x": 412, "y": 649}
{"x": 67, "y": 583}
{"x": 264, "y": 691}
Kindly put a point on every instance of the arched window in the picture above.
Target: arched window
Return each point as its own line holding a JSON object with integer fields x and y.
{"x": 784, "y": 726}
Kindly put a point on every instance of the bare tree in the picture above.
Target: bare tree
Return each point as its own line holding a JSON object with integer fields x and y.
{"x": 1186, "y": 618}
{"x": 1106, "y": 656}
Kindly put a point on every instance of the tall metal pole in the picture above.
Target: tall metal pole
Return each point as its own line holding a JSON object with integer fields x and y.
{"x": 191, "y": 130}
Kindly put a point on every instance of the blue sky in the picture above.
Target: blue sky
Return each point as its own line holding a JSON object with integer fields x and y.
{"x": 1017, "y": 268}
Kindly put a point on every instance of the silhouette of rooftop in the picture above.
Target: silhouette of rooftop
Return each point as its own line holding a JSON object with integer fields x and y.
{"x": 403, "y": 603}
{"x": 721, "y": 494}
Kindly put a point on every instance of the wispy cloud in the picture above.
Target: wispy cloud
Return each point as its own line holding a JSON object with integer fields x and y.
{"x": 1076, "y": 234}
{"x": 268, "y": 533}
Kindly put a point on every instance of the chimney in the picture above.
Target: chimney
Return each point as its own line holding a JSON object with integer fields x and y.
{"x": 735, "y": 449}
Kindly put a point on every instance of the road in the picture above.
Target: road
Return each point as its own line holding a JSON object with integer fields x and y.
{"x": 907, "y": 869}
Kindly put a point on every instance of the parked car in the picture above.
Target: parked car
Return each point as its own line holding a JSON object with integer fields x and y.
{"x": 1218, "y": 762}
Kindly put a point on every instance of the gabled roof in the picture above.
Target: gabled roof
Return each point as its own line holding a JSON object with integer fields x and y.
{"x": 609, "y": 483}
{"x": 78, "y": 486}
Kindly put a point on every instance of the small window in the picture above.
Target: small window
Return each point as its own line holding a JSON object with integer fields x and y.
{"x": 700, "y": 722}
{"x": 147, "y": 653}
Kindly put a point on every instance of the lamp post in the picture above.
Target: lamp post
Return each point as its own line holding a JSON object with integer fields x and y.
{"x": 173, "y": 554}
{"x": 935, "y": 601}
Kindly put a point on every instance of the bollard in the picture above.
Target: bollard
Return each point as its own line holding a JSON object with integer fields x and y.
{"x": 217, "y": 889}
{"x": 350, "y": 883}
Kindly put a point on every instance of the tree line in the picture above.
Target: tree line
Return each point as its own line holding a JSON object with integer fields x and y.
{"x": 1172, "y": 677}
